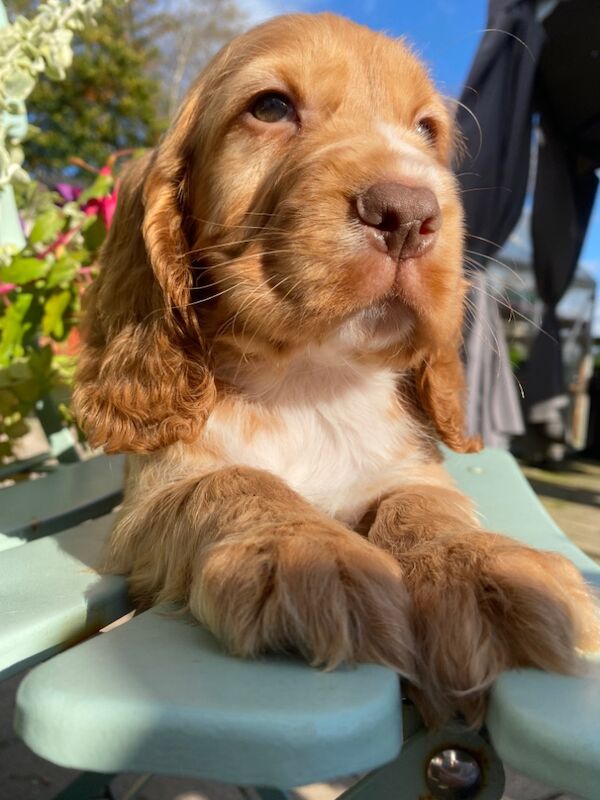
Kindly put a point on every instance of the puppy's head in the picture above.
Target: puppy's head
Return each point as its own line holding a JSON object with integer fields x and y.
{"x": 302, "y": 197}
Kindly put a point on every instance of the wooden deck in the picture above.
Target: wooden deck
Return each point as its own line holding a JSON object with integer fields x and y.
{"x": 572, "y": 497}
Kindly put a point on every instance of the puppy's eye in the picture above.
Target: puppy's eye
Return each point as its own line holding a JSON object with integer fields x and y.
{"x": 272, "y": 107}
{"x": 427, "y": 129}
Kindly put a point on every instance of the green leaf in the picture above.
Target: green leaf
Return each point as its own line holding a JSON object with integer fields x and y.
{"x": 19, "y": 85}
{"x": 47, "y": 226}
{"x": 52, "y": 321}
{"x": 94, "y": 234}
{"x": 40, "y": 362}
{"x": 8, "y": 402}
{"x": 13, "y": 328}
{"x": 23, "y": 270}
{"x": 17, "y": 429}
{"x": 29, "y": 391}
{"x": 62, "y": 271}
{"x": 5, "y": 449}
{"x": 102, "y": 186}
{"x": 65, "y": 367}
{"x": 19, "y": 371}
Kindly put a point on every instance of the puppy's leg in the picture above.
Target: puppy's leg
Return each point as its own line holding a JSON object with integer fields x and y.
{"x": 264, "y": 570}
{"x": 482, "y": 602}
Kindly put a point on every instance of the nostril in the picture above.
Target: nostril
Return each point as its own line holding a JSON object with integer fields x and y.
{"x": 369, "y": 210}
{"x": 389, "y": 221}
{"x": 405, "y": 218}
{"x": 429, "y": 225}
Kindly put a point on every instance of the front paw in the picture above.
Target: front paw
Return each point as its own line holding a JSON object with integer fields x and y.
{"x": 322, "y": 591}
{"x": 484, "y": 604}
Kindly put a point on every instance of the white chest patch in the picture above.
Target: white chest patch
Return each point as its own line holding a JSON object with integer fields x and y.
{"x": 335, "y": 434}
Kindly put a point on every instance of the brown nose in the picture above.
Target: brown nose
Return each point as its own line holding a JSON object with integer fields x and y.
{"x": 406, "y": 217}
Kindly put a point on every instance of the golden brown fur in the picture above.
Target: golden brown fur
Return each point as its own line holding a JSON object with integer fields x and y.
{"x": 482, "y": 603}
{"x": 281, "y": 382}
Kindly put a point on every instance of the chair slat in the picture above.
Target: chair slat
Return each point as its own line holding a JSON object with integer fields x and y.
{"x": 508, "y": 504}
{"x": 548, "y": 726}
{"x": 59, "y": 500}
{"x": 23, "y": 464}
{"x": 158, "y": 694}
{"x": 52, "y": 597}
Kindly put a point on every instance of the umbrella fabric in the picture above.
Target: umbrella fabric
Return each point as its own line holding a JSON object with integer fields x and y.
{"x": 564, "y": 197}
{"x": 568, "y": 98}
{"x": 496, "y": 124}
{"x": 495, "y": 120}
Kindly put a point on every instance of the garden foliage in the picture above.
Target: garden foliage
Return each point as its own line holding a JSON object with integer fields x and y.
{"x": 40, "y": 295}
{"x": 108, "y": 100}
{"x": 109, "y": 87}
{"x": 29, "y": 48}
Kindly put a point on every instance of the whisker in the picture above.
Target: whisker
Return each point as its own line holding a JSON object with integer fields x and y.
{"x": 220, "y": 245}
{"x": 254, "y": 300}
{"x": 504, "y": 294}
{"x": 284, "y": 298}
{"x": 495, "y": 349}
{"x": 218, "y": 294}
{"x": 248, "y": 318}
{"x": 244, "y": 257}
{"x": 496, "y": 261}
{"x": 483, "y": 239}
{"x": 471, "y": 113}
{"x": 206, "y": 299}
{"x": 514, "y": 311}
{"x": 231, "y": 225}
{"x": 512, "y": 36}
{"x": 484, "y": 189}
{"x": 260, "y": 213}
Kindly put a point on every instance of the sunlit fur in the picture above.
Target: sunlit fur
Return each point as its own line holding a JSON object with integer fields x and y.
{"x": 282, "y": 384}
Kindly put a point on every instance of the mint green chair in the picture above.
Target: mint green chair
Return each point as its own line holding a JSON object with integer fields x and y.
{"x": 158, "y": 693}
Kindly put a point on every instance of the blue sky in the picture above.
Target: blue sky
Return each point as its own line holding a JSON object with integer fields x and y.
{"x": 445, "y": 33}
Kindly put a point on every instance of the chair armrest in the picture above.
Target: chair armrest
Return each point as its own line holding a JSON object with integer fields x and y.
{"x": 60, "y": 500}
{"x": 508, "y": 504}
{"x": 159, "y": 694}
{"x": 51, "y": 596}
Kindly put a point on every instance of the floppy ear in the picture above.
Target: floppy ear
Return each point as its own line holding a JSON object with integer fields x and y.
{"x": 143, "y": 379}
{"x": 440, "y": 387}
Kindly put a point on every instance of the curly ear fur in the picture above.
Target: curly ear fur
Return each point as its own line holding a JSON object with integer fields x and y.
{"x": 440, "y": 386}
{"x": 143, "y": 379}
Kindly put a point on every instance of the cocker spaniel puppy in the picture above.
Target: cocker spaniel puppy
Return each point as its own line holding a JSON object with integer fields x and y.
{"x": 274, "y": 336}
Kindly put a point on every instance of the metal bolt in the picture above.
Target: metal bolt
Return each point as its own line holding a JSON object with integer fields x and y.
{"x": 454, "y": 775}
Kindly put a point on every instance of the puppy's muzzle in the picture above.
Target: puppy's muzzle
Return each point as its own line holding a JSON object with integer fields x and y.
{"x": 403, "y": 220}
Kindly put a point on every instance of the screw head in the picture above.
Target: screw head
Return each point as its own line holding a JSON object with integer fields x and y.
{"x": 454, "y": 775}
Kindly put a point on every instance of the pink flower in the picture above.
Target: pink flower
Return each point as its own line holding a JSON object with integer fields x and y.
{"x": 5, "y": 288}
{"x": 92, "y": 207}
{"x": 108, "y": 210}
{"x": 102, "y": 206}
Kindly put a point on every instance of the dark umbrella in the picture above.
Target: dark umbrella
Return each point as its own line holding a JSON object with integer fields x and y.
{"x": 568, "y": 99}
{"x": 540, "y": 57}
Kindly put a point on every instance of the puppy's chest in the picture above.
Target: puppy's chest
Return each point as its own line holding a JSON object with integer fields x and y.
{"x": 337, "y": 443}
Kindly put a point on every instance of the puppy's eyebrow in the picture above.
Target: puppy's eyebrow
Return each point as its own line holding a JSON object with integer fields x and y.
{"x": 262, "y": 73}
